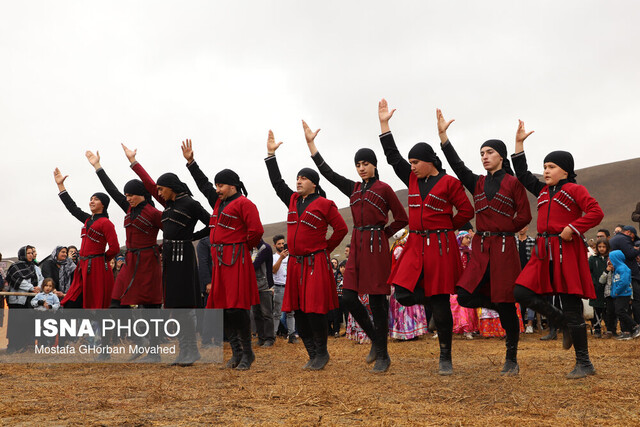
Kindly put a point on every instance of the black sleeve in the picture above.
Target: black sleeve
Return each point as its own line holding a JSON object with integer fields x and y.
{"x": 401, "y": 167}
{"x": 205, "y": 263}
{"x": 464, "y": 174}
{"x": 282, "y": 189}
{"x": 203, "y": 216}
{"x": 108, "y": 185}
{"x": 343, "y": 184}
{"x": 203, "y": 183}
{"x": 71, "y": 206}
{"x": 527, "y": 179}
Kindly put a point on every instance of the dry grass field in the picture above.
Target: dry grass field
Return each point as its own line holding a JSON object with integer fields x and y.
{"x": 276, "y": 391}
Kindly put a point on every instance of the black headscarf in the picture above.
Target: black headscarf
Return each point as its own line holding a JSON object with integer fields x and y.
{"x": 65, "y": 272}
{"x": 105, "y": 199}
{"x": 367, "y": 155}
{"x": 423, "y": 151}
{"x": 137, "y": 188}
{"x": 172, "y": 181}
{"x": 564, "y": 160}
{"x": 313, "y": 176}
{"x": 501, "y": 149}
{"x": 229, "y": 177}
{"x": 22, "y": 270}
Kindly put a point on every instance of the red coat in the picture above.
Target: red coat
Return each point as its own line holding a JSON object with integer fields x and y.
{"x": 95, "y": 284}
{"x": 422, "y": 254}
{"x": 369, "y": 263}
{"x": 310, "y": 285}
{"x": 233, "y": 279}
{"x": 508, "y": 211}
{"x": 142, "y": 232}
{"x": 571, "y": 274}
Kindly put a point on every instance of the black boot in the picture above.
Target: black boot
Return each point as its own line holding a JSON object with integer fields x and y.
{"x": 360, "y": 315}
{"x": 510, "y": 323}
{"x": 552, "y": 335}
{"x": 231, "y": 332}
{"x": 445, "y": 366}
{"x": 380, "y": 310}
{"x": 510, "y": 366}
{"x": 320, "y": 335}
{"x": 310, "y": 346}
{"x": 245, "y": 339}
{"x": 191, "y": 341}
{"x": 580, "y": 344}
{"x": 178, "y": 314}
{"x": 555, "y": 315}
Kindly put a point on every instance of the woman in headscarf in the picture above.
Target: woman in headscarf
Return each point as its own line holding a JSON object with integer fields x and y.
{"x": 369, "y": 263}
{"x": 430, "y": 265}
{"x": 179, "y": 273}
{"x": 502, "y": 209}
{"x": 22, "y": 276}
{"x": 310, "y": 290}
{"x": 92, "y": 281}
{"x": 59, "y": 267}
{"x": 235, "y": 230}
{"x": 559, "y": 264}
{"x": 139, "y": 281}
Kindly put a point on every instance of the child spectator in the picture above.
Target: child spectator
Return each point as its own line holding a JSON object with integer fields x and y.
{"x": 47, "y": 299}
{"x": 597, "y": 265}
{"x": 621, "y": 292}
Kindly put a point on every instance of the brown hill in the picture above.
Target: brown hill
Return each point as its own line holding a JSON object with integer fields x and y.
{"x": 616, "y": 186}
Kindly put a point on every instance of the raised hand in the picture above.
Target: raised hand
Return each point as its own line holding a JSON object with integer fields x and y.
{"x": 310, "y": 137}
{"x": 94, "y": 159}
{"x": 521, "y": 135}
{"x": 131, "y": 154}
{"x": 443, "y": 125}
{"x": 383, "y": 111}
{"x": 272, "y": 146}
{"x": 187, "y": 150}
{"x": 59, "y": 178}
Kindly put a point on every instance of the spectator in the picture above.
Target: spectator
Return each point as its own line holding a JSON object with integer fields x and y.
{"x": 525, "y": 244}
{"x": 263, "y": 312}
{"x": 347, "y": 249}
{"x": 621, "y": 292}
{"x": 337, "y": 315}
{"x": 22, "y": 277}
{"x": 47, "y": 299}
{"x": 465, "y": 320}
{"x": 73, "y": 253}
{"x": 279, "y": 280}
{"x": 603, "y": 233}
{"x": 597, "y": 265}
{"x": 624, "y": 241}
{"x": 59, "y": 267}
{"x": 635, "y": 215}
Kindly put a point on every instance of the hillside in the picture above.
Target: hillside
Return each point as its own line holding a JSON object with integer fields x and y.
{"x": 616, "y": 186}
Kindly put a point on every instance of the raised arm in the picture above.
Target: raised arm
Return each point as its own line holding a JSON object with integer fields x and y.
{"x": 401, "y": 167}
{"x": 282, "y": 189}
{"x": 108, "y": 185}
{"x": 464, "y": 174}
{"x": 203, "y": 183}
{"x": 71, "y": 206}
{"x": 343, "y": 184}
{"x": 148, "y": 182}
{"x": 519, "y": 161}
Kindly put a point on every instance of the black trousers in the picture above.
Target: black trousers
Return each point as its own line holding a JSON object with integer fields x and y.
{"x": 622, "y": 311}
{"x": 610, "y": 319}
{"x": 379, "y": 309}
{"x": 635, "y": 303}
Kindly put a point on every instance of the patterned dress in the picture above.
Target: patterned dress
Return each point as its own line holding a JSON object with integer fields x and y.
{"x": 465, "y": 320}
{"x": 405, "y": 323}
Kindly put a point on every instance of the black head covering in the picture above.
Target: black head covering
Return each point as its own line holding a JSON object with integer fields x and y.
{"x": 564, "y": 160}
{"x": 423, "y": 151}
{"x": 137, "y": 188}
{"x": 229, "y": 177}
{"x": 313, "y": 176}
{"x": 104, "y": 199}
{"x": 172, "y": 181}
{"x": 367, "y": 155}
{"x": 499, "y": 146}
{"x": 22, "y": 270}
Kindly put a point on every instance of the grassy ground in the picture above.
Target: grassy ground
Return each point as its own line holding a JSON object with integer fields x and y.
{"x": 276, "y": 391}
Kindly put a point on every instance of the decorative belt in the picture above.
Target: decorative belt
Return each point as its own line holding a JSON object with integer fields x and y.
{"x": 177, "y": 249}
{"x": 427, "y": 233}
{"x": 547, "y": 246}
{"x": 136, "y": 252}
{"x": 484, "y": 234}
{"x": 219, "y": 247}
{"x": 372, "y": 228}
{"x": 90, "y": 258}
{"x": 311, "y": 258}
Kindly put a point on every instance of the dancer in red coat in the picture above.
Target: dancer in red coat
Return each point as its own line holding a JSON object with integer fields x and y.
{"x": 140, "y": 279}
{"x": 310, "y": 290}
{"x": 502, "y": 209}
{"x": 235, "y": 229}
{"x": 430, "y": 266}
{"x": 559, "y": 263}
{"x": 92, "y": 281}
{"x": 369, "y": 262}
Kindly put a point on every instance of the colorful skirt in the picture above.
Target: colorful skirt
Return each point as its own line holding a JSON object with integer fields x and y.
{"x": 489, "y": 324}
{"x": 354, "y": 331}
{"x": 406, "y": 323}
{"x": 464, "y": 319}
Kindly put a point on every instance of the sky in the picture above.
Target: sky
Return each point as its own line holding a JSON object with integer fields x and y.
{"x": 87, "y": 75}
